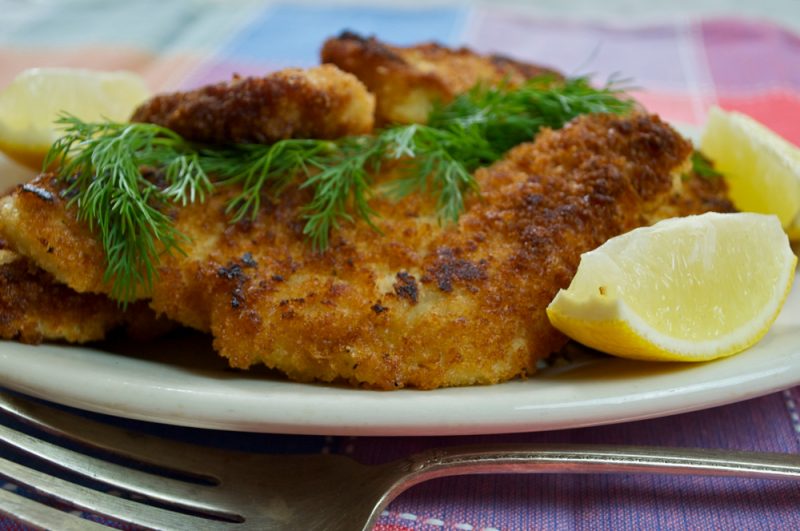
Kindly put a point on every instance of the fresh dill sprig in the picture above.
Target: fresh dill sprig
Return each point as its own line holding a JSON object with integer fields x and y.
{"x": 344, "y": 177}
{"x": 437, "y": 161}
{"x": 337, "y": 172}
{"x": 481, "y": 125}
{"x": 102, "y": 164}
{"x": 505, "y": 117}
{"x": 260, "y": 169}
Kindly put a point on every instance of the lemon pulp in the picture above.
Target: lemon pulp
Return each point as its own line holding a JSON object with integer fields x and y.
{"x": 689, "y": 289}
{"x": 32, "y": 102}
{"x": 761, "y": 168}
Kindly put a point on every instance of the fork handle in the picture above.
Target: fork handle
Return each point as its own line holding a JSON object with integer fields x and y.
{"x": 578, "y": 459}
{"x": 585, "y": 459}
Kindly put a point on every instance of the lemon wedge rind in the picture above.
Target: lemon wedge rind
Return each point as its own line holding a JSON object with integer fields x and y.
{"x": 610, "y": 326}
{"x": 596, "y": 309}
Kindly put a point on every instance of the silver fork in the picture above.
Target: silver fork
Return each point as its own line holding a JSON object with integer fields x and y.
{"x": 195, "y": 487}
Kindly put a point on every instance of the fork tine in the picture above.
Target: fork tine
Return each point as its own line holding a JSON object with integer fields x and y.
{"x": 173, "y": 492}
{"x": 37, "y": 514}
{"x": 184, "y": 458}
{"x": 263, "y": 491}
{"x": 104, "y": 504}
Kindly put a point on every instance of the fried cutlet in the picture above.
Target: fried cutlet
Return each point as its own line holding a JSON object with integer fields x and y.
{"x": 35, "y": 308}
{"x": 321, "y": 102}
{"x": 407, "y": 82}
{"x": 422, "y": 305}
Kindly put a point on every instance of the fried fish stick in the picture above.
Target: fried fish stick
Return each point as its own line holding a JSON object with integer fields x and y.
{"x": 409, "y": 81}
{"x": 322, "y": 102}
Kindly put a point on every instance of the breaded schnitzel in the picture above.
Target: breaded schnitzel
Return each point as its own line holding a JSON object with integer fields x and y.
{"x": 321, "y": 102}
{"x": 422, "y": 305}
{"x": 34, "y": 308}
{"x": 409, "y": 81}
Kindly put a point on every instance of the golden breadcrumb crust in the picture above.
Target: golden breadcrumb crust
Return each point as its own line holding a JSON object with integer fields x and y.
{"x": 35, "y": 308}
{"x": 696, "y": 194}
{"x": 409, "y": 81}
{"x": 321, "y": 102}
{"x": 421, "y": 305}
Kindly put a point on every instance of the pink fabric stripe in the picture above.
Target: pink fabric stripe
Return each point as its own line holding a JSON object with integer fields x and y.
{"x": 748, "y": 57}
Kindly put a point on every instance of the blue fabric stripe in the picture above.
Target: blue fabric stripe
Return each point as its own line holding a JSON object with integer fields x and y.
{"x": 293, "y": 35}
{"x": 196, "y": 26}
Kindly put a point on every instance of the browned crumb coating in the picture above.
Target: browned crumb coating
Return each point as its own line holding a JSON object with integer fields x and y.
{"x": 697, "y": 194}
{"x": 408, "y": 81}
{"x": 34, "y": 308}
{"x": 421, "y": 305}
{"x": 321, "y": 102}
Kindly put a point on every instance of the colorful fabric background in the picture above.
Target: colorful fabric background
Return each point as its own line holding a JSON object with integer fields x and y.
{"x": 680, "y": 67}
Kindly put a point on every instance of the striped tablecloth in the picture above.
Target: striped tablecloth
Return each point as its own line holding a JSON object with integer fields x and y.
{"x": 681, "y": 65}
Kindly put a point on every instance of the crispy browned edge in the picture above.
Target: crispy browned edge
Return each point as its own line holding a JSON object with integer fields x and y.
{"x": 408, "y": 81}
{"x": 698, "y": 193}
{"x": 320, "y": 102}
{"x": 34, "y": 308}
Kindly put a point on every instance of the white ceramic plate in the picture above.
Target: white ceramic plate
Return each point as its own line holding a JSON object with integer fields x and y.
{"x": 181, "y": 381}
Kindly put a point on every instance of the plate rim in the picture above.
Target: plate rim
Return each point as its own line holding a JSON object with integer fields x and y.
{"x": 322, "y": 409}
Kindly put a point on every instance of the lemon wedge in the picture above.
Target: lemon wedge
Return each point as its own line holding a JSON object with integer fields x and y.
{"x": 32, "y": 102}
{"x": 685, "y": 289}
{"x": 762, "y": 168}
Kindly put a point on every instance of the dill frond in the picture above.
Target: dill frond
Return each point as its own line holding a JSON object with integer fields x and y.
{"x": 102, "y": 165}
{"x": 342, "y": 178}
{"x": 478, "y": 127}
{"x": 262, "y": 169}
{"x": 437, "y": 161}
{"x": 506, "y": 117}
